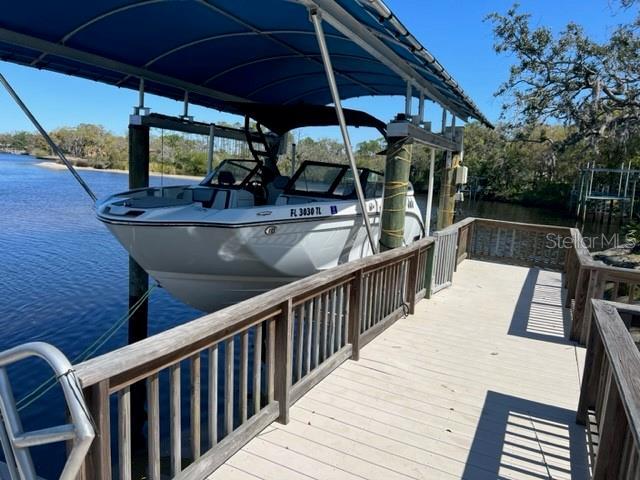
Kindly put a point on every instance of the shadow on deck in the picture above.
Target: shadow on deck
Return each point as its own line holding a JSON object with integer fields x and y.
{"x": 537, "y": 440}
{"x": 539, "y": 313}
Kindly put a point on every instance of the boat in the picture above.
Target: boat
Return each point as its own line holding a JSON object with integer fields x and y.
{"x": 245, "y": 229}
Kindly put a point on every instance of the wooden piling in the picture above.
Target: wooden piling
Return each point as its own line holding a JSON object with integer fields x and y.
{"x": 447, "y": 203}
{"x": 138, "y": 280}
{"x": 396, "y": 175}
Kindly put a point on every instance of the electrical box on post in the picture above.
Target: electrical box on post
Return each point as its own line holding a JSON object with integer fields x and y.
{"x": 461, "y": 175}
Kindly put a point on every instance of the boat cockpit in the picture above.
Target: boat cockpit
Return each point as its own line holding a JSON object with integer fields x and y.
{"x": 243, "y": 183}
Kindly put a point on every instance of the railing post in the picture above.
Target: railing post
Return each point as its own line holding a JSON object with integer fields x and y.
{"x": 428, "y": 271}
{"x": 590, "y": 377}
{"x": 611, "y": 437}
{"x": 355, "y": 307}
{"x": 571, "y": 269}
{"x": 470, "y": 237}
{"x": 595, "y": 291}
{"x": 283, "y": 366}
{"x": 577, "y": 315}
{"x": 412, "y": 281}
{"x": 97, "y": 464}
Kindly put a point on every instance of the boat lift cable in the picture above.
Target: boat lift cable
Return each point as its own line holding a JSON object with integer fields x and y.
{"x": 47, "y": 138}
{"x": 51, "y": 382}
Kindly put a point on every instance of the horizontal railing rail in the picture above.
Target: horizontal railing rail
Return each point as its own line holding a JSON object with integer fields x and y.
{"x": 519, "y": 243}
{"x": 246, "y": 364}
{"x": 610, "y": 393}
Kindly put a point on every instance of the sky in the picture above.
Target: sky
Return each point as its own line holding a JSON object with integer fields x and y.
{"x": 453, "y": 31}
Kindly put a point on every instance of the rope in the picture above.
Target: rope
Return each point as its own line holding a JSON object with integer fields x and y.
{"x": 77, "y": 393}
{"x": 48, "y": 384}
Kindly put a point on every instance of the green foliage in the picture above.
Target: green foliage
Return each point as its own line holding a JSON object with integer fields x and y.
{"x": 592, "y": 87}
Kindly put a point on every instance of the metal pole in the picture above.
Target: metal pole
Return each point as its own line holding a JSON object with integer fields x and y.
{"x": 212, "y": 128}
{"x": 453, "y": 127}
{"x": 47, "y": 138}
{"x": 620, "y": 181}
{"x": 141, "y": 95}
{"x": 633, "y": 200}
{"x": 185, "y": 108}
{"x": 444, "y": 121}
{"x": 626, "y": 183}
{"x": 293, "y": 158}
{"x": 421, "y": 109}
{"x": 427, "y": 219}
{"x": 407, "y": 101}
{"x": 326, "y": 60}
{"x": 582, "y": 172}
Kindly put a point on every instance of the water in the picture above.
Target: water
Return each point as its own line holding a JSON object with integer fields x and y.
{"x": 64, "y": 278}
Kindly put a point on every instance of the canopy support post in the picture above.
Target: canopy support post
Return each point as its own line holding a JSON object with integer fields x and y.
{"x": 427, "y": 217}
{"x": 212, "y": 137}
{"x": 185, "y": 108}
{"x": 47, "y": 138}
{"x": 407, "y": 101}
{"x": 141, "y": 109}
{"x": 421, "y": 109}
{"x": 328, "y": 68}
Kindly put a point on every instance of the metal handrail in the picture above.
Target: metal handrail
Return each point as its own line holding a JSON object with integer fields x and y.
{"x": 16, "y": 442}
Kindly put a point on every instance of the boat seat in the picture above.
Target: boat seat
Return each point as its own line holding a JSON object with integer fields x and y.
{"x": 204, "y": 195}
{"x": 225, "y": 177}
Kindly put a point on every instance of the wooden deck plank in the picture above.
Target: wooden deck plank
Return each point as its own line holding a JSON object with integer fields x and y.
{"x": 480, "y": 383}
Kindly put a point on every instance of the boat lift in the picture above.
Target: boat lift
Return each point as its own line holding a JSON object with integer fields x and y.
{"x": 363, "y": 49}
{"x": 601, "y": 190}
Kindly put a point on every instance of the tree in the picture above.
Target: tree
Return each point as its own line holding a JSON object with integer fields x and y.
{"x": 592, "y": 87}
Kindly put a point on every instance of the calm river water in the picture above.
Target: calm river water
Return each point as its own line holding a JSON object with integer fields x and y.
{"x": 64, "y": 278}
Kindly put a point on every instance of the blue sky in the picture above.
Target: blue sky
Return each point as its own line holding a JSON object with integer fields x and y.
{"x": 453, "y": 31}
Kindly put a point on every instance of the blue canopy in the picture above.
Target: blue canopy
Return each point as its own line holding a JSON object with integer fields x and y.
{"x": 223, "y": 51}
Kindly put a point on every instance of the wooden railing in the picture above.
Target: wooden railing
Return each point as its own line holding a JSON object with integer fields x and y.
{"x": 610, "y": 394}
{"x": 260, "y": 356}
{"x": 519, "y": 243}
{"x": 587, "y": 279}
{"x": 446, "y": 257}
{"x": 242, "y": 366}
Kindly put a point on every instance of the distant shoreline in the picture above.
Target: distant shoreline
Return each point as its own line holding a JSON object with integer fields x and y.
{"x": 50, "y": 164}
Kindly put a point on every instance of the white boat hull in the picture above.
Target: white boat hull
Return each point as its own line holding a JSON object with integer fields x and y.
{"x": 213, "y": 266}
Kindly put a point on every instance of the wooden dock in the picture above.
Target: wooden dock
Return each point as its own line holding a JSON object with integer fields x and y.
{"x": 481, "y": 383}
{"x": 460, "y": 356}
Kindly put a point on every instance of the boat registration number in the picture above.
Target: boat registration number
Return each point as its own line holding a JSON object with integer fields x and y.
{"x": 305, "y": 212}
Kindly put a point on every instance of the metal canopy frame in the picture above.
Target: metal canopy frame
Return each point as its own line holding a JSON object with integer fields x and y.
{"x": 180, "y": 124}
{"x": 326, "y": 59}
{"x": 341, "y": 20}
{"x": 56, "y": 49}
{"x": 382, "y": 44}
{"x": 418, "y": 134}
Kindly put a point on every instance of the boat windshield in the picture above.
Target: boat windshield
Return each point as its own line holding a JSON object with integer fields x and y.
{"x": 319, "y": 179}
{"x": 234, "y": 172}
